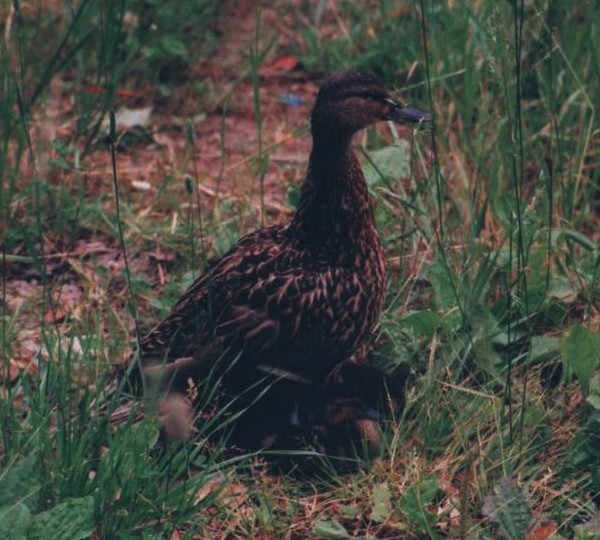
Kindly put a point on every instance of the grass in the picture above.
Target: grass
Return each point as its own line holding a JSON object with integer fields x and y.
{"x": 489, "y": 222}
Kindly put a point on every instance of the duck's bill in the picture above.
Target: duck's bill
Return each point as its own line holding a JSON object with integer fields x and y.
{"x": 407, "y": 114}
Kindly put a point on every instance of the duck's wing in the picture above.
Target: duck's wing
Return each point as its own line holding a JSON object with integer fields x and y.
{"x": 220, "y": 305}
{"x": 267, "y": 301}
{"x": 246, "y": 300}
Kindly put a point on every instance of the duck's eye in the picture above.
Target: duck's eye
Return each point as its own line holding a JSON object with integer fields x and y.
{"x": 374, "y": 95}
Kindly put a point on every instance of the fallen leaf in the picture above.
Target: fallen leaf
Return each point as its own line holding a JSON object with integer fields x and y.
{"x": 19, "y": 364}
{"x": 162, "y": 256}
{"x": 401, "y": 11}
{"x": 54, "y": 316}
{"x": 129, "y": 118}
{"x": 329, "y": 529}
{"x": 381, "y": 503}
{"x": 283, "y": 63}
{"x": 141, "y": 185}
{"x": 542, "y": 532}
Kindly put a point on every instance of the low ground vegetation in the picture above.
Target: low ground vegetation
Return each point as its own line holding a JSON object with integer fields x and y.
{"x": 489, "y": 221}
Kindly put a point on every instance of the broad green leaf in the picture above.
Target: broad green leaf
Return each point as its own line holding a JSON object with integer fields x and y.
{"x": 581, "y": 353}
{"x": 590, "y": 530}
{"x": 508, "y": 508}
{"x": 443, "y": 290}
{"x": 350, "y": 511}
{"x": 146, "y": 433}
{"x": 425, "y": 322}
{"x": 415, "y": 501}
{"x": 14, "y": 521}
{"x": 544, "y": 348}
{"x": 329, "y": 529}
{"x": 173, "y": 45}
{"x": 19, "y": 482}
{"x": 70, "y": 520}
{"x": 381, "y": 503}
{"x": 593, "y": 397}
{"x": 393, "y": 163}
{"x": 562, "y": 289}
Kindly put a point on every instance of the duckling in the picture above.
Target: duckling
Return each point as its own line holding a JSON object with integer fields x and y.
{"x": 290, "y": 302}
{"x": 335, "y": 416}
{"x": 353, "y": 399}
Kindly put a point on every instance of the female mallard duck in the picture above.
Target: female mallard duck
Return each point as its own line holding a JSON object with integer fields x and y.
{"x": 294, "y": 300}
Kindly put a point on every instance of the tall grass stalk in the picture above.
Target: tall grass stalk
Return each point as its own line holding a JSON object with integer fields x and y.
{"x": 518, "y": 164}
{"x": 439, "y": 229}
{"x": 113, "y": 158}
{"x": 256, "y": 59}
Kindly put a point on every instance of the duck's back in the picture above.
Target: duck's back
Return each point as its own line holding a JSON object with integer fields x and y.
{"x": 269, "y": 302}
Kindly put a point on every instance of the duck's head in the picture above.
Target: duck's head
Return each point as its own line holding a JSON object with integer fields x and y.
{"x": 352, "y": 100}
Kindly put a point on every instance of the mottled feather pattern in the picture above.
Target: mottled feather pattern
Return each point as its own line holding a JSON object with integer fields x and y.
{"x": 268, "y": 289}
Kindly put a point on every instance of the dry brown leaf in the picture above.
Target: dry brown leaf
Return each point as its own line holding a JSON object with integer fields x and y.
{"x": 542, "y": 532}
{"x": 54, "y": 315}
{"x": 280, "y": 65}
{"x": 401, "y": 11}
{"x": 18, "y": 365}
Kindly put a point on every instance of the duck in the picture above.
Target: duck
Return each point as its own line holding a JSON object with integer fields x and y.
{"x": 287, "y": 304}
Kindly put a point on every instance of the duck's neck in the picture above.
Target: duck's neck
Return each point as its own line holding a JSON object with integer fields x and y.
{"x": 334, "y": 214}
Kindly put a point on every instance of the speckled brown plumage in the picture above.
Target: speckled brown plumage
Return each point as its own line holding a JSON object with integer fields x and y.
{"x": 296, "y": 299}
